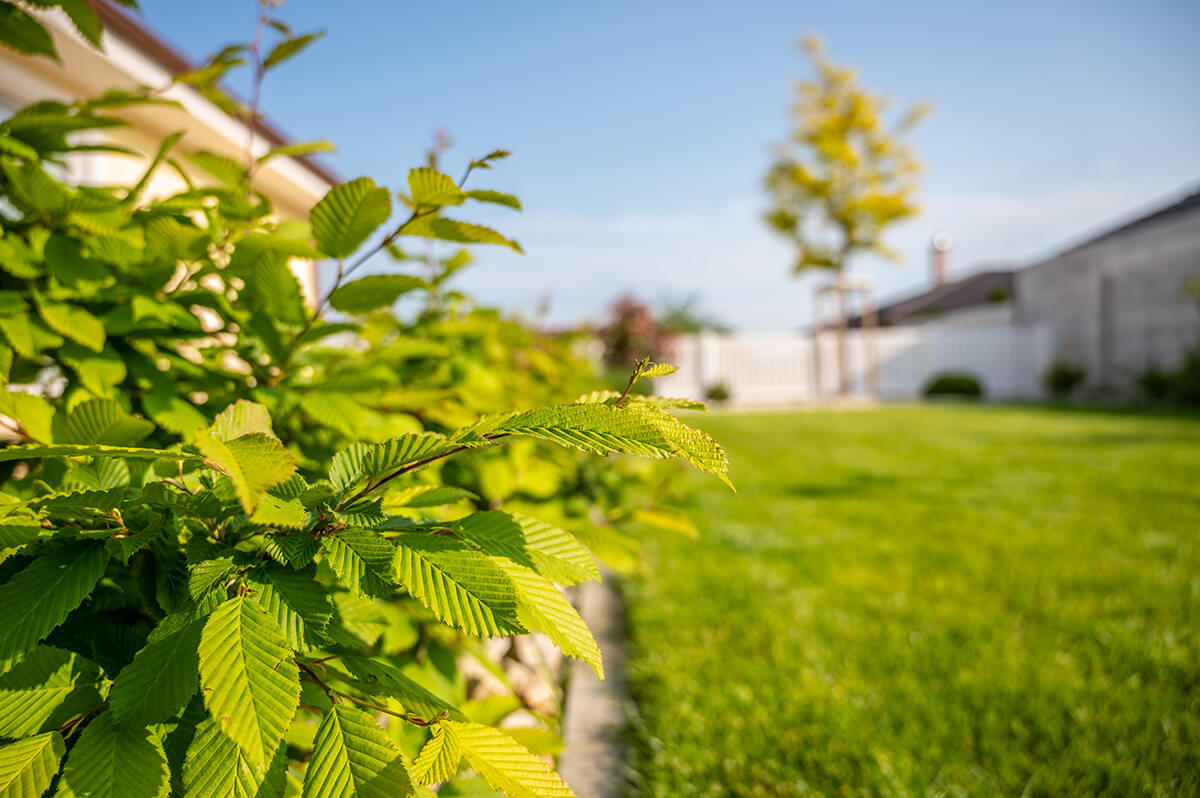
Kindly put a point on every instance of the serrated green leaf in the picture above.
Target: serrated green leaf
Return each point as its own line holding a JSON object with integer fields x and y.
{"x": 495, "y": 198}
{"x": 543, "y": 608}
{"x": 322, "y": 330}
{"x": 34, "y": 413}
{"x": 18, "y": 331}
{"x": 543, "y": 547}
{"x": 428, "y": 496}
{"x": 252, "y": 462}
{"x": 354, "y": 758}
{"x": 14, "y": 146}
{"x": 671, "y": 522}
{"x": 228, "y": 170}
{"x": 272, "y": 287}
{"x": 111, "y": 761}
{"x": 79, "y": 505}
{"x": 280, "y": 513}
{"x": 462, "y": 587}
{"x": 505, "y": 764}
{"x": 242, "y": 418}
{"x": 160, "y": 680}
{"x": 99, "y": 373}
{"x": 208, "y": 575}
{"x": 295, "y": 550}
{"x": 362, "y": 462}
{"x": 542, "y": 742}
{"x": 338, "y": 411}
{"x": 39, "y": 451}
{"x": 105, "y": 422}
{"x": 376, "y": 677}
{"x": 250, "y": 683}
{"x": 16, "y": 533}
{"x": 459, "y": 232}
{"x": 84, "y": 18}
{"x": 297, "y": 149}
{"x": 430, "y": 187}
{"x": 46, "y": 688}
{"x": 216, "y": 768}
{"x": 697, "y": 447}
{"x": 373, "y": 292}
{"x": 38, "y": 599}
{"x": 491, "y": 710}
{"x": 439, "y": 758}
{"x": 288, "y": 48}
{"x": 657, "y": 370}
{"x": 21, "y": 32}
{"x": 633, "y": 428}
{"x": 363, "y": 560}
{"x": 300, "y": 605}
{"x": 74, "y": 322}
{"x": 557, "y": 554}
{"x": 599, "y": 429}
{"x": 358, "y": 620}
{"x": 28, "y": 766}
{"x": 348, "y": 214}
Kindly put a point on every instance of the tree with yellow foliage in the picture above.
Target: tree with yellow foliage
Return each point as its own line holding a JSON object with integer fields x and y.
{"x": 844, "y": 176}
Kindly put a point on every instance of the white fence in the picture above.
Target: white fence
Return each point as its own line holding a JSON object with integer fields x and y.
{"x": 780, "y": 369}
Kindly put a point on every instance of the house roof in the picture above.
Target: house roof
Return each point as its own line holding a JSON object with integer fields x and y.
{"x": 1189, "y": 203}
{"x": 978, "y": 289}
{"x": 121, "y": 23}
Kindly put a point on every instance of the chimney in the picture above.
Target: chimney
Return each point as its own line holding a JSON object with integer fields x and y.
{"x": 940, "y": 246}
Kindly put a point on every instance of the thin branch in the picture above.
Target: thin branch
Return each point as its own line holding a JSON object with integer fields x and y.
{"x": 637, "y": 372}
{"x": 410, "y": 467}
{"x": 344, "y": 273}
{"x": 335, "y": 694}
{"x": 256, "y": 92}
{"x": 66, "y": 728}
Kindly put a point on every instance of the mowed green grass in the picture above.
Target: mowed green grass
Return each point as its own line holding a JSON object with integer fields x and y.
{"x": 939, "y": 600}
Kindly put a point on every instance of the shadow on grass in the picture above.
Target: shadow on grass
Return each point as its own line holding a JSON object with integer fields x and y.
{"x": 856, "y": 484}
{"x": 1125, "y": 409}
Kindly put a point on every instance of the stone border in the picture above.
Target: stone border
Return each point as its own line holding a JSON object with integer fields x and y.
{"x": 595, "y": 718}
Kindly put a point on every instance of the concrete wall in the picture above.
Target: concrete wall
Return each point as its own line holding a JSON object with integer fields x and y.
{"x": 1119, "y": 304}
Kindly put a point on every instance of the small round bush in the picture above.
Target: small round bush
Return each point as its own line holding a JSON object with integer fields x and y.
{"x": 966, "y": 386}
{"x": 718, "y": 392}
{"x": 1155, "y": 384}
{"x": 1062, "y": 378}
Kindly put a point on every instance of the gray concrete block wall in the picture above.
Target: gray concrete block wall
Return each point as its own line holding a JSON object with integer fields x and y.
{"x": 1119, "y": 304}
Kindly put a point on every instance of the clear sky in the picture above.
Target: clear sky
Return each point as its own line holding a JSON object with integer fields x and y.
{"x": 640, "y": 130}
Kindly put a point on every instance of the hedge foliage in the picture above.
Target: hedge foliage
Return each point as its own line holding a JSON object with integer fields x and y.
{"x": 243, "y": 542}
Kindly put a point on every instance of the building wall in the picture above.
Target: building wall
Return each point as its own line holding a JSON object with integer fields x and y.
{"x": 1120, "y": 304}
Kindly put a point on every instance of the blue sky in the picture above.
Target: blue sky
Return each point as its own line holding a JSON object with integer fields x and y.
{"x": 640, "y": 130}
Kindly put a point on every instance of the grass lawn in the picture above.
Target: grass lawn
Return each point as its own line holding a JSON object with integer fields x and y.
{"x": 946, "y": 600}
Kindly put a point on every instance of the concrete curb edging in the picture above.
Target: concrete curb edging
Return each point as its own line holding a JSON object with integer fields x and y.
{"x": 595, "y": 720}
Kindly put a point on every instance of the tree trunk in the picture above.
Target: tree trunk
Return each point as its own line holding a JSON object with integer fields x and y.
{"x": 843, "y": 372}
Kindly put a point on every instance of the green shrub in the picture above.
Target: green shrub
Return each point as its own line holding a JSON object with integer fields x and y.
{"x": 231, "y": 553}
{"x": 1154, "y": 383}
{"x": 1185, "y": 382}
{"x": 1180, "y": 386}
{"x": 954, "y": 384}
{"x": 1062, "y": 378}
{"x": 717, "y": 392}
